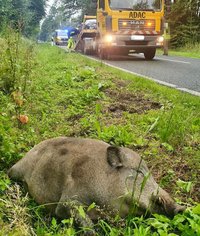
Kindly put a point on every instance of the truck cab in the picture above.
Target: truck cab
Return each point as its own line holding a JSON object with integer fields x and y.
{"x": 129, "y": 26}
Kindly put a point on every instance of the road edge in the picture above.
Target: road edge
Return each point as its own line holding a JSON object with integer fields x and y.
{"x": 195, "y": 93}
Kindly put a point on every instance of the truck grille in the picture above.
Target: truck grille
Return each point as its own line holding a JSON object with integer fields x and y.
{"x": 125, "y": 24}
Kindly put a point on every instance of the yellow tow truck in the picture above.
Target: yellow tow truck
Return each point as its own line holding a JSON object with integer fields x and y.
{"x": 86, "y": 39}
{"x": 126, "y": 27}
{"x": 129, "y": 26}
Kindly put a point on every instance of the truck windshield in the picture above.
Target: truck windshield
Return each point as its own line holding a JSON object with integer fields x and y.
{"x": 137, "y": 5}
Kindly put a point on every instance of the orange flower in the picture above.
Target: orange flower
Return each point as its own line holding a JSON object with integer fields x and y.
{"x": 23, "y": 119}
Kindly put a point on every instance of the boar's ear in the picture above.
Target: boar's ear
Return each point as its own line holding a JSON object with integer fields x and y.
{"x": 114, "y": 156}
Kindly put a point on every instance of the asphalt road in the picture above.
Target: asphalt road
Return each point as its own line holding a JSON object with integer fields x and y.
{"x": 178, "y": 72}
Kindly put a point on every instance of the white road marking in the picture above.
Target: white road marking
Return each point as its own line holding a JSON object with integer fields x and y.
{"x": 177, "y": 61}
{"x": 159, "y": 81}
{"x": 189, "y": 91}
{"x": 149, "y": 78}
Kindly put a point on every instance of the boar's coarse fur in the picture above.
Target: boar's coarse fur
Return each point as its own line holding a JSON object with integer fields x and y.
{"x": 74, "y": 171}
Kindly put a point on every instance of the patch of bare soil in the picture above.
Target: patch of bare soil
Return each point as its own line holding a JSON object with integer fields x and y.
{"x": 123, "y": 100}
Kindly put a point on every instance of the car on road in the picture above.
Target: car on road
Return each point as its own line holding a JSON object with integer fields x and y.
{"x": 60, "y": 37}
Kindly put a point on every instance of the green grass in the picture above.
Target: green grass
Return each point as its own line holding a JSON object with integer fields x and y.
{"x": 70, "y": 95}
{"x": 189, "y": 50}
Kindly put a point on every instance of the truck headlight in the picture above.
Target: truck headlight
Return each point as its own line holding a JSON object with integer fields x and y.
{"x": 160, "y": 39}
{"x": 108, "y": 38}
{"x": 149, "y": 24}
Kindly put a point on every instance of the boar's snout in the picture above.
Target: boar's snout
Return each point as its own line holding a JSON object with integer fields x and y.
{"x": 179, "y": 209}
{"x": 174, "y": 209}
{"x": 164, "y": 204}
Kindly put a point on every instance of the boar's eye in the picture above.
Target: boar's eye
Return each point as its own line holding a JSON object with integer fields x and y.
{"x": 159, "y": 201}
{"x": 138, "y": 171}
{"x": 157, "y": 204}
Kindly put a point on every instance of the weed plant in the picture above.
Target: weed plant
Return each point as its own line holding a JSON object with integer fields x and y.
{"x": 69, "y": 95}
{"x": 16, "y": 61}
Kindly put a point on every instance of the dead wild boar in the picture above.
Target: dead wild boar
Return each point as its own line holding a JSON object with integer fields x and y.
{"x": 70, "y": 172}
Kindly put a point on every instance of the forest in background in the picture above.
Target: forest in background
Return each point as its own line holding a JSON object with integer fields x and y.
{"x": 183, "y": 17}
{"x": 22, "y": 15}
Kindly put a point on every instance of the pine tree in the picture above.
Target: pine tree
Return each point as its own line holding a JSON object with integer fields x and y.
{"x": 184, "y": 20}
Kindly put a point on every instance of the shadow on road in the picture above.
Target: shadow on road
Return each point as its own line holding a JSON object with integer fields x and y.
{"x": 130, "y": 57}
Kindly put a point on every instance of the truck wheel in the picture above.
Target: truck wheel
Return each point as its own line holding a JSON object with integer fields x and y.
{"x": 150, "y": 54}
{"x": 101, "y": 54}
{"x": 86, "y": 51}
{"x": 108, "y": 56}
{"x": 81, "y": 46}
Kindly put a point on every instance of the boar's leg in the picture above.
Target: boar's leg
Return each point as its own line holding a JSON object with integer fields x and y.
{"x": 71, "y": 208}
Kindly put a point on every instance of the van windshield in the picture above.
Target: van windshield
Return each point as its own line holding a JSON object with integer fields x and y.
{"x": 137, "y": 5}
{"x": 62, "y": 33}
